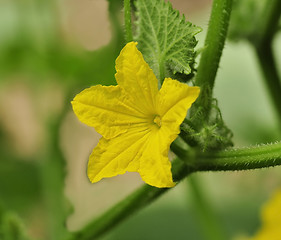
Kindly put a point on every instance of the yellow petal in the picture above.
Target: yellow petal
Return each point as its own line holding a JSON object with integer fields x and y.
{"x": 107, "y": 109}
{"x": 138, "y": 150}
{"x": 117, "y": 155}
{"x": 271, "y": 219}
{"x": 268, "y": 234}
{"x": 136, "y": 77}
{"x": 271, "y": 212}
{"x": 155, "y": 167}
{"x": 174, "y": 99}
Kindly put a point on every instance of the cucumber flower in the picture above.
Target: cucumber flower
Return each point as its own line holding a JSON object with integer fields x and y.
{"x": 137, "y": 121}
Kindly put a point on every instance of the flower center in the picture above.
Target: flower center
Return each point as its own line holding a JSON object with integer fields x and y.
{"x": 157, "y": 120}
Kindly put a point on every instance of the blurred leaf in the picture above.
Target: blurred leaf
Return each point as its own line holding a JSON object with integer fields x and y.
{"x": 70, "y": 66}
{"x": 165, "y": 38}
{"x": 38, "y": 51}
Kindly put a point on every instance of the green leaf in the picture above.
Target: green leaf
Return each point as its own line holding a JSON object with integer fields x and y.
{"x": 165, "y": 38}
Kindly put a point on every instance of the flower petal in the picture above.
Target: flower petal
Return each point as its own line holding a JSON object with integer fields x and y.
{"x": 118, "y": 155}
{"x": 271, "y": 210}
{"x": 107, "y": 109}
{"x": 174, "y": 99}
{"x": 155, "y": 166}
{"x": 136, "y": 77}
{"x": 140, "y": 150}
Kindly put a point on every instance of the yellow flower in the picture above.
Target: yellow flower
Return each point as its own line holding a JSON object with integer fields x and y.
{"x": 271, "y": 220}
{"x": 137, "y": 121}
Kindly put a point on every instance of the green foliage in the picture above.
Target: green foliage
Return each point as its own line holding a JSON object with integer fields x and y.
{"x": 213, "y": 135}
{"x": 258, "y": 25}
{"x": 19, "y": 183}
{"x": 50, "y": 56}
{"x": 245, "y": 19}
{"x": 255, "y": 21}
{"x": 165, "y": 38}
{"x": 11, "y": 228}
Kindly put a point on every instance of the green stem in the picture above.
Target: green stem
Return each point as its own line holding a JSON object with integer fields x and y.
{"x": 270, "y": 73}
{"x": 263, "y": 156}
{"x": 120, "y": 211}
{"x": 209, "y": 222}
{"x": 53, "y": 174}
{"x": 210, "y": 57}
{"x": 262, "y": 43}
{"x": 239, "y": 159}
{"x": 131, "y": 204}
{"x": 128, "y": 23}
{"x": 269, "y": 21}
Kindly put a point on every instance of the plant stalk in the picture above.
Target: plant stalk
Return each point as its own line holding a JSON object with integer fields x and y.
{"x": 256, "y": 157}
{"x": 270, "y": 74}
{"x": 53, "y": 174}
{"x": 210, "y": 58}
{"x": 268, "y": 25}
{"x": 263, "y": 48}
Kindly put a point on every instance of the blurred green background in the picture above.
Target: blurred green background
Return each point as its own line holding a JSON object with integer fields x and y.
{"x": 50, "y": 51}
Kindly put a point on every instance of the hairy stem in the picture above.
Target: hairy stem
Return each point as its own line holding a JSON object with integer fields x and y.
{"x": 128, "y": 23}
{"x": 239, "y": 159}
{"x": 210, "y": 58}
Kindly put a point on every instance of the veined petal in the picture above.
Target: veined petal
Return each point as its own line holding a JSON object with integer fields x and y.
{"x": 136, "y": 77}
{"x": 174, "y": 99}
{"x": 108, "y": 109}
{"x": 155, "y": 167}
{"x": 118, "y": 155}
{"x": 139, "y": 150}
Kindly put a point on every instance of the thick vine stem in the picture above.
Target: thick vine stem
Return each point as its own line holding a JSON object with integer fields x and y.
{"x": 210, "y": 58}
{"x": 263, "y": 156}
